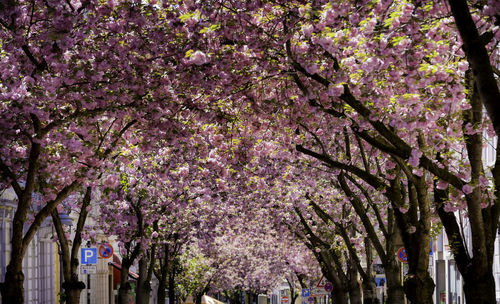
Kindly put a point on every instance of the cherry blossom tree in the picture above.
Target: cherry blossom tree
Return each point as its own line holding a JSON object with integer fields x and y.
{"x": 77, "y": 76}
{"x": 69, "y": 254}
{"x": 335, "y": 67}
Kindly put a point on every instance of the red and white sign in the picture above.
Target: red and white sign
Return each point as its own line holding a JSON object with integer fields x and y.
{"x": 106, "y": 251}
{"x": 284, "y": 299}
{"x": 319, "y": 290}
{"x": 402, "y": 255}
{"x": 322, "y": 282}
{"x": 328, "y": 287}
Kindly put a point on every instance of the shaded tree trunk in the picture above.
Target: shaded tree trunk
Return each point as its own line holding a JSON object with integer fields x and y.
{"x": 124, "y": 292}
{"x": 395, "y": 292}
{"x": 200, "y": 294}
{"x": 143, "y": 284}
{"x": 334, "y": 273}
{"x": 72, "y": 285}
{"x": 369, "y": 292}
{"x": 395, "y": 289}
{"x": 339, "y": 296}
{"x": 368, "y": 285}
{"x": 12, "y": 289}
{"x": 477, "y": 272}
{"x": 161, "y": 274}
{"x": 419, "y": 288}
{"x": 233, "y": 296}
{"x": 162, "y": 295}
{"x": 145, "y": 276}
{"x": 171, "y": 286}
{"x": 353, "y": 283}
{"x": 480, "y": 287}
{"x": 329, "y": 260}
{"x": 414, "y": 226}
{"x": 73, "y": 290}
{"x": 294, "y": 293}
{"x": 197, "y": 298}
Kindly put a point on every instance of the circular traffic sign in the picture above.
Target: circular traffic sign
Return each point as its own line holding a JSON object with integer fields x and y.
{"x": 328, "y": 287}
{"x": 310, "y": 300}
{"x": 402, "y": 255}
{"x": 105, "y": 251}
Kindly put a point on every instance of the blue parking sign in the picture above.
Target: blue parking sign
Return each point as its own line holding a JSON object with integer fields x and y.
{"x": 88, "y": 255}
{"x": 305, "y": 292}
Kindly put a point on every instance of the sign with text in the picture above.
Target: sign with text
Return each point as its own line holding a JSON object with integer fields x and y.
{"x": 88, "y": 269}
{"x": 319, "y": 292}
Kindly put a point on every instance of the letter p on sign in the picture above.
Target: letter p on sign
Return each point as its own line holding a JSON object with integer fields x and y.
{"x": 88, "y": 255}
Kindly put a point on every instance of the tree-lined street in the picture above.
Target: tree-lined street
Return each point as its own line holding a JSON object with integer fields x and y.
{"x": 226, "y": 147}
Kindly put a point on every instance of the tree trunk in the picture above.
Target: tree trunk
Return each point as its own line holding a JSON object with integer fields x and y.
{"x": 419, "y": 288}
{"x": 72, "y": 285}
{"x": 369, "y": 292}
{"x": 395, "y": 292}
{"x": 234, "y": 297}
{"x": 197, "y": 298}
{"x": 73, "y": 290}
{"x": 171, "y": 286}
{"x": 162, "y": 295}
{"x": 353, "y": 284}
{"x": 12, "y": 289}
{"x": 124, "y": 292}
{"x": 355, "y": 293}
{"x": 480, "y": 288}
{"x": 143, "y": 285}
{"x": 368, "y": 285}
{"x": 339, "y": 296}
{"x": 418, "y": 284}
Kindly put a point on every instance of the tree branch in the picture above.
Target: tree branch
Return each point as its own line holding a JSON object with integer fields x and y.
{"x": 46, "y": 211}
{"x": 479, "y": 60}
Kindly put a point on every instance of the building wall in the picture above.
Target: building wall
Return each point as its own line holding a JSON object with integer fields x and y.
{"x": 38, "y": 264}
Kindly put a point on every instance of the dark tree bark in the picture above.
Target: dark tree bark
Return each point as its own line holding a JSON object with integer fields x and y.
{"x": 395, "y": 290}
{"x": 233, "y": 296}
{"x": 476, "y": 270}
{"x": 415, "y": 231}
{"x": 329, "y": 260}
{"x": 161, "y": 295}
{"x": 72, "y": 285}
{"x": 161, "y": 274}
{"x": 355, "y": 296}
{"x": 125, "y": 290}
{"x": 146, "y": 265}
{"x": 389, "y": 231}
{"x": 368, "y": 284}
{"x": 198, "y": 296}
{"x": 12, "y": 289}
{"x": 479, "y": 60}
{"x": 171, "y": 286}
